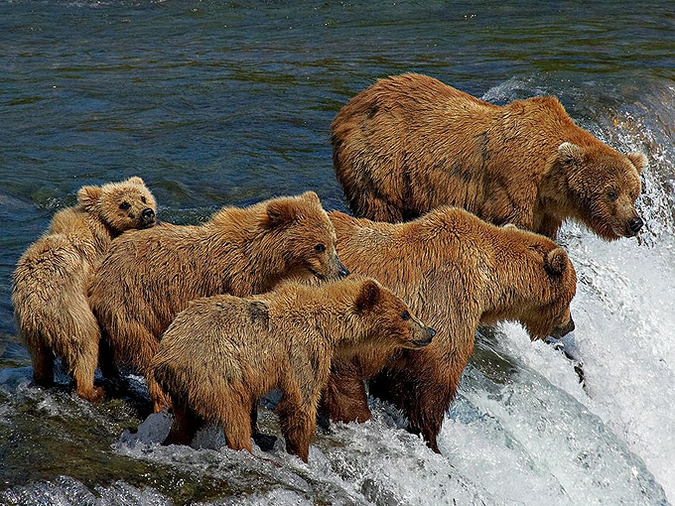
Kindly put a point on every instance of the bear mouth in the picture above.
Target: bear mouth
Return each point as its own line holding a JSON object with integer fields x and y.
{"x": 629, "y": 232}
{"x": 318, "y": 275}
{"x": 421, "y": 344}
{"x": 562, "y": 330}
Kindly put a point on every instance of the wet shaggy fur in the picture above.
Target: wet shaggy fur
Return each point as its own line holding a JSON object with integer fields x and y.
{"x": 409, "y": 143}
{"x": 223, "y": 353}
{"x": 50, "y": 280}
{"x": 148, "y": 277}
{"x": 456, "y": 272}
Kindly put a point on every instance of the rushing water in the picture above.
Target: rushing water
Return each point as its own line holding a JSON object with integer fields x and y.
{"x": 217, "y": 103}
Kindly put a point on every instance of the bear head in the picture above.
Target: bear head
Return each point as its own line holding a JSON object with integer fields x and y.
{"x": 305, "y": 235}
{"x": 545, "y": 309}
{"x": 533, "y": 282}
{"x": 121, "y": 206}
{"x": 392, "y": 322}
{"x": 603, "y": 186}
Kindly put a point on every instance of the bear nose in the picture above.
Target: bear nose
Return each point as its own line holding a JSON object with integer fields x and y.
{"x": 425, "y": 342}
{"x": 343, "y": 272}
{"x": 562, "y": 331}
{"x": 635, "y": 225}
{"x": 569, "y": 327}
{"x": 148, "y": 215}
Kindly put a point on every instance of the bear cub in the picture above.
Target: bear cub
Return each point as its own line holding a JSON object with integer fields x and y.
{"x": 223, "y": 353}
{"x": 49, "y": 284}
{"x": 150, "y": 276}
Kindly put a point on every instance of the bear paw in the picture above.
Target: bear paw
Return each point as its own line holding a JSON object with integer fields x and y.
{"x": 93, "y": 395}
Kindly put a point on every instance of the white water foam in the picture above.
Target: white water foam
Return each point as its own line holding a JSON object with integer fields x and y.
{"x": 67, "y": 491}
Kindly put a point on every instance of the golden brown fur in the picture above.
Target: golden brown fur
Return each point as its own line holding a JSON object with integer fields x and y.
{"x": 49, "y": 289}
{"x": 456, "y": 272}
{"x": 410, "y": 143}
{"x": 223, "y": 353}
{"x": 148, "y": 277}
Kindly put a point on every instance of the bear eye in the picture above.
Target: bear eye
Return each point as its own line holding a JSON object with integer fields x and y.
{"x": 143, "y": 199}
{"x": 405, "y": 315}
{"x": 612, "y": 195}
{"x": 125, "y": 206}
{"x": 320, "y": 248}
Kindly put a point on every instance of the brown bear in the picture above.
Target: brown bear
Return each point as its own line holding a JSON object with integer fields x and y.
{"x": 410, "y": 143}
{"x": 222, "y": 353}
{"x": 150, "y": 276}
{"x": 50, "y": 281}
{"x": 456, "y": 272}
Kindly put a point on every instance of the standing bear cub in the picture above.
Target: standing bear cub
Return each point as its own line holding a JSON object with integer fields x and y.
{"x": 456, "y": 272}
{"x": 410, "y": 143}
{"x": 223, "y": 353}
{"x": 50, "y": 281}
{"x": 149, "y": 277}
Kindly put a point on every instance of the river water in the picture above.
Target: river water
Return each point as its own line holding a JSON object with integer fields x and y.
{"x": 217, "y": 103}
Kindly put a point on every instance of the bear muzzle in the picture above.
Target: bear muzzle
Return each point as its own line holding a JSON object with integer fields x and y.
{"x": 337, "y": 269}
{"x": 421, "y": 343}
{"x": 148, "y": 217}
{"x": 563, "y": 330}
{"x": 343, "y": 272}
{"x": 633, "y": 226}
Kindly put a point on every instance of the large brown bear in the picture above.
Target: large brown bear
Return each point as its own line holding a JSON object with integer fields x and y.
{"x": 50, "y": 280}
{"x": 223, "y": 353}
{"x": 456, "y": 272}
{"x": 150, "y": 276}
{"x": 410, "y": 143}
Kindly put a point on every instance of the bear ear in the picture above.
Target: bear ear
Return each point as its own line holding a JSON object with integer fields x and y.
{"x": 88, "y": 195}
{"x": 311, "y": 196}
{"x": 638, "y": 160}
{"x": 135, "y": 180}
{"x": 571, "y": 153}
{"x": 555, "y": 262}
{"x": 368, "y": 296}
{"x": 509, "y": 226}
{"x": 279, "y": 213}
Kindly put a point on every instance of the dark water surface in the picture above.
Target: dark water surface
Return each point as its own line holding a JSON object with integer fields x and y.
{"x": 217, "y": 103}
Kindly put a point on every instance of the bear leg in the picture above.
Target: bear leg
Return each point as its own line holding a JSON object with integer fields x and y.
{"x": 42, "y": 359}
{"x": 423, "y": 402}
{"x": 84, "y": 379}
{"x": 426, "y": 409}
{"x": 298, "y": 430}
{"x": 235, "y": 417}
{"x": 429, "y": 430}
{"x": 184, "y": 427}
{"x": 85, "y": 360}
{"x": 159, "y": 399}
{"x": 298, "y": 424}
{"x": 141, "y": 345}
{"x": 344, "y": 399}
{"x": 136, "y": 344}
{"x": 106, "y": 359}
